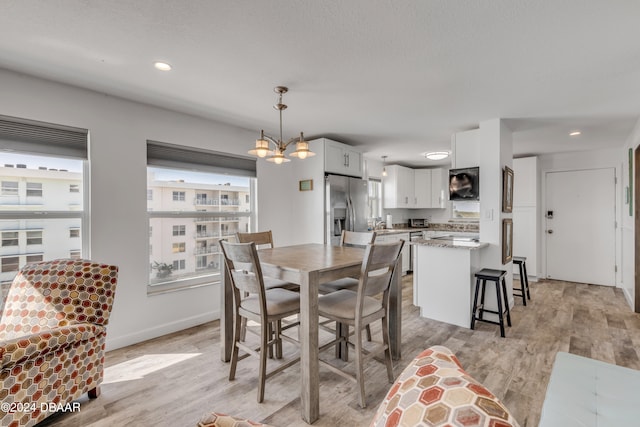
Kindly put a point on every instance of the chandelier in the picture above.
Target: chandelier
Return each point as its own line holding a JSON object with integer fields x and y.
{"x": 276, "y": 155}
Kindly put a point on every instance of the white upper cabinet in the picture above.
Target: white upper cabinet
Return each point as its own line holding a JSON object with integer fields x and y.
{"x": 398, "y": 187}
{"x": 415, "y": 188}
{"x": 525, "y": 181}
{"x": 342, "y": 159}
{"x": 439, "y": 188}
{"x": 422, "y": 188}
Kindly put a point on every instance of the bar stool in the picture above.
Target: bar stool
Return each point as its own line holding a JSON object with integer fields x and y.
{"x": 496, "y": 276}
{"x": 524, "y": 280}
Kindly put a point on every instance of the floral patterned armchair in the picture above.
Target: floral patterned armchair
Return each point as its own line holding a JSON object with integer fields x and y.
{"x": 52, "y": 337}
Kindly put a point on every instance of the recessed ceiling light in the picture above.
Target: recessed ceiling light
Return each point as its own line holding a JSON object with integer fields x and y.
{"x": 575, "y": 133}
{"x": 162, "y": 66}
{"x": 437, "y": 155}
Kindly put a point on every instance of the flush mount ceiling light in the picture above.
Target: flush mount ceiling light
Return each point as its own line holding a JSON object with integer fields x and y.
{"x": 384, "y": 165}
{"x": 277, "y": 154}
{"x": 575, "y": 133}
{"x": 437, "y": 155}
{"x": 162, "y": 66}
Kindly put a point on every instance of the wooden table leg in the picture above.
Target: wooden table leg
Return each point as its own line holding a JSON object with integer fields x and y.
{"x": 226, "y": 314}
{"x": 395, "y": 311}
{"x": 309, "y": 365}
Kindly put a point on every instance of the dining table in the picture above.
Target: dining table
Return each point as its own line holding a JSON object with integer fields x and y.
{"x": 309, "y": 265}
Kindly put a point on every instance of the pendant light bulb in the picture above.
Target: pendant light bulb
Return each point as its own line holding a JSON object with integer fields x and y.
{"x": 384, "y": 166}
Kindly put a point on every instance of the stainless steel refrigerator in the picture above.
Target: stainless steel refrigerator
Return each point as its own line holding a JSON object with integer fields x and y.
{"x": 346, "y": 206}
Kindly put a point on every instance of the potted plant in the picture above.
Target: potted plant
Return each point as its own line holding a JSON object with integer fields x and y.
{"x": 163, "y": 269}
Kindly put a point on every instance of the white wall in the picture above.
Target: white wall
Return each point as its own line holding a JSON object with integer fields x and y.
{"x": 119, "y": 229}
{"x": 627, "y": 229}
{"x": 609, "y": 158}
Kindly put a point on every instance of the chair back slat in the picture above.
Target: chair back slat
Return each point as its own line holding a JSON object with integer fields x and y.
{"x": 243, "y": 265}
{"x": 357, "y": 238}
{"x": 379, "y": 263}
{"x": 260, "y": 238}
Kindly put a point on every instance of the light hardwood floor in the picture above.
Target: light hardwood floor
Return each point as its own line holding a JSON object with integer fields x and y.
{"x": 173, "y": 380}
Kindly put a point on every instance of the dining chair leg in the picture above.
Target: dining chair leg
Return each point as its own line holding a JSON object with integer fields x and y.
{"x": 270, "y": 339}
{"x": 278, "y": 339}
{"x": 359, "y": 367}
{"x": 243, "y": 329}
{"x": 265, "y": 334}
{"x": 387, "y": 351}
{"x": 234, "y": 352}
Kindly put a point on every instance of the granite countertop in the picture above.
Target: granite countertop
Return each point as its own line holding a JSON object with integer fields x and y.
{"x": 399, "y": 230}
{"x": 456, "y": 244}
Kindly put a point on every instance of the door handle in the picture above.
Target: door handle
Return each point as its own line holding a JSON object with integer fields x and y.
{"x": 549, "y": 231}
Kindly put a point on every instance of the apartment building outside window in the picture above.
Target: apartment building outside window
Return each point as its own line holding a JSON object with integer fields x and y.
{"x": 197, "y": 199}
{"x": 34, "y": 189}
{"x": 9, "y": 188}
{"x": 43, "y": 166}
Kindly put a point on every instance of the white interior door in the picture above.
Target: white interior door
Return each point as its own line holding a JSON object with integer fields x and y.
{"x": 580, "y": 226}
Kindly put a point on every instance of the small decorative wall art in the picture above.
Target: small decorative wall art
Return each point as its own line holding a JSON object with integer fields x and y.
{"x": 507, "y": 189}
{"x": 507, "y": 240}
{"x": 305, "y": 185}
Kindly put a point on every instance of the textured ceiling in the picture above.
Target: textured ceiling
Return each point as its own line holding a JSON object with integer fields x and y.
{"x": 396, "y": 77}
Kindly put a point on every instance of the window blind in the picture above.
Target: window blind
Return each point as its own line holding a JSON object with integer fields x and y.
{"x": 163, "y": 154}
{"x": 34, "y": 137}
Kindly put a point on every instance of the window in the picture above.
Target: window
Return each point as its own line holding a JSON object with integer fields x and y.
{"x": 179, "y": 230}
{"x": 9, "y": 238}
{"x": 178, "y": 247}
{"x": 375, "y": 199}
{"x": 9, "y": 188}
{"x": 206, "y": 179}
{"x": 9, "y": 264}
{"x": 74, "y": 233}
{"x": 38, "y": 157}
{"x": 465, "y": 210}
{"x": 34, "y": 237}
{"x": 34, "y": 258}
{"x": 34, "y": 189}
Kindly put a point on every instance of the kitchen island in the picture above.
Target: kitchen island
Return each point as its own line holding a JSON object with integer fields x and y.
{"x": 443, "y": 277}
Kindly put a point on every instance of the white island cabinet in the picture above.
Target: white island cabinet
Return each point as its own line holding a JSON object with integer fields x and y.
{"x": 443, "y": 280}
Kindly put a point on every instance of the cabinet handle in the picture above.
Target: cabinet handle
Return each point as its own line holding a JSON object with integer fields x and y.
{"x": 347, "y": 159}
{"x": 344, "y": 157}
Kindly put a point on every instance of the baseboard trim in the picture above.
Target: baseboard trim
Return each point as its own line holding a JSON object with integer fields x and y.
{"x": 160, "y": 330}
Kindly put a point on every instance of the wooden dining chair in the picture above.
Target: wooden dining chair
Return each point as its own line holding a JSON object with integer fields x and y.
{"x": 360, "y": 308}
{"x": 252, "y": 301}
{"x": 354, "y": 239}
{"x": 264, "y": 240}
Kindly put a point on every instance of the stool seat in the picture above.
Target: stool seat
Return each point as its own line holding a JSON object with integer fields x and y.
{"x": 490, "y": 274}
{"x": 497, "y": 277}
{"x": 523, "y": 292}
